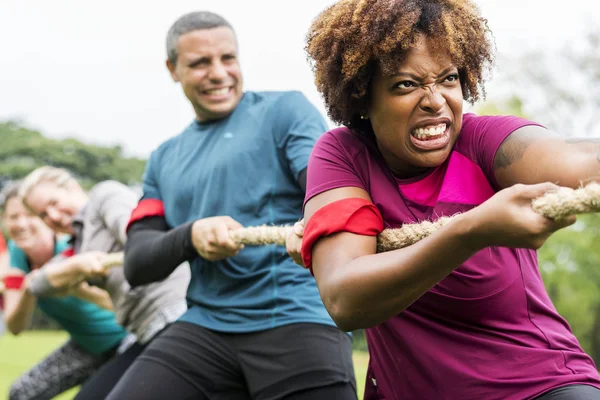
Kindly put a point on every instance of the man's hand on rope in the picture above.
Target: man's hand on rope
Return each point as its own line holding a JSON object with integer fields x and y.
{"x": 210, "y": 237}
{"x": 293, "y": 242}
{"x": 508, "y": 220}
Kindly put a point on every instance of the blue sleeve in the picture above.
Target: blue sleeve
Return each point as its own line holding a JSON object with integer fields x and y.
{"x": 298, "y": 125}
{"x": 17, "y": 257}
{"x": 150, "y": 188}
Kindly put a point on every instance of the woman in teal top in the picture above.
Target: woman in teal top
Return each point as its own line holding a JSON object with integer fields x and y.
{"x": 95, "y": 336}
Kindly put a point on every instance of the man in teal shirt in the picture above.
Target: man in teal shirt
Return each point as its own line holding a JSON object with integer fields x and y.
{"x": 255, "y": 326}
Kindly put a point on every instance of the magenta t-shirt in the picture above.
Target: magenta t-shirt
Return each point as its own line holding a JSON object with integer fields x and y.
{"x": 489, "y": 329}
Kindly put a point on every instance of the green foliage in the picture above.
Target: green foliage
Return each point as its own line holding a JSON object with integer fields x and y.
{"x": 359, "y": 340}
{"x": 570, "y": 266}
{"x": 512, "y": 106}
{"x": 23, "y": 150}
{"x": 570, "y": 260}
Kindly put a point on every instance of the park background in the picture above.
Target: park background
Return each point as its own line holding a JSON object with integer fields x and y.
{"x": 83, "y": 86}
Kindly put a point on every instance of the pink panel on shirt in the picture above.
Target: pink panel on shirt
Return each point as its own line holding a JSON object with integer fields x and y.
{"x": 458, "y": 181}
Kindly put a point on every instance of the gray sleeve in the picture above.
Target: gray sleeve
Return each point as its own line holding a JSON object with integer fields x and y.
{"x": 39, "y": 285}
{"x": 114, "y": 203}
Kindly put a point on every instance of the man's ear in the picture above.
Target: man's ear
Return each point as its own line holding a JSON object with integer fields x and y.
{"x": 171, "y": 67}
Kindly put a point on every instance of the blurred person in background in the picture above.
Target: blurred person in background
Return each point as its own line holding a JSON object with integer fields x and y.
{"x": 97, "y": 220}
{"x": 95, "y": 336}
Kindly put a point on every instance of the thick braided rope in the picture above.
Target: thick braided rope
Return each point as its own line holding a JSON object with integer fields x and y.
{"x": 566, "y": 201}
{"x": 555, "y": 205}
{"x": 113, "y": 260}
{"x": 261, "y": 235}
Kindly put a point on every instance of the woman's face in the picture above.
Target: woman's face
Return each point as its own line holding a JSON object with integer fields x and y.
{"x": 23, "y": 227}
{"x": 55, "y": 205}
{"x": 416, "y": 113}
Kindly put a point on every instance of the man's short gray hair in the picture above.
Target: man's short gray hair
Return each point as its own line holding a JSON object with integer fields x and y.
{"x": 192, "y": 22}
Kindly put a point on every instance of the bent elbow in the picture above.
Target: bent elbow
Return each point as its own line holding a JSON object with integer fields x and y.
{"x": 342, "y": 312}
{"x": 132, "y": 276}
{"x": 346, "y": 321}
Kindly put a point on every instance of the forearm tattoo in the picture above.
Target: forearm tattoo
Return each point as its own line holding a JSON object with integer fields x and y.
{"x": 516, "y": 144}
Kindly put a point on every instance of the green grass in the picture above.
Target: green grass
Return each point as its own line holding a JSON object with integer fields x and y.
{"x": 19, "y": 353}
{"x": 361, "y": 361}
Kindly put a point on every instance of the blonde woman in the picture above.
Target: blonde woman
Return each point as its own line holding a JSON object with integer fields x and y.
{"x": 94, "y": 333}
{"x": 97, "y": 220}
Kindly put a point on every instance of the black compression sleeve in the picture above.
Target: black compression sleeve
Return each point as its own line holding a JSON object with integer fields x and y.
{"x": 153, "y": 251}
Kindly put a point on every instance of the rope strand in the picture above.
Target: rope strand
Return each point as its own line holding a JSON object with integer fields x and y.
{"x": 555, "y": 205}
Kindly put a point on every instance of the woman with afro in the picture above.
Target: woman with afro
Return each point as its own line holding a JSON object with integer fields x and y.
{"x": 462, "y": 314}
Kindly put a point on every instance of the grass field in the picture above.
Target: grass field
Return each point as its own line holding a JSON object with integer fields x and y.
{"x": 17, "y": 354}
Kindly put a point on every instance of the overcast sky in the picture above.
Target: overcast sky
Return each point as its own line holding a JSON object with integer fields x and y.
{"x": 95, "y": 70}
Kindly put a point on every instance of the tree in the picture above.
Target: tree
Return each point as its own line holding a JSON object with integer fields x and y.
{"x": 24, "y": 149}
{"x": 570, "y": 266}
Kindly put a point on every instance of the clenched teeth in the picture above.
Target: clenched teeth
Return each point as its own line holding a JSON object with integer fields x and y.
{"x": 429, "y": 131}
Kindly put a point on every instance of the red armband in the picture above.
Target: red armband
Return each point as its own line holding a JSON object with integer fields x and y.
{"x": 146, "y": 208}
{"x": 14, "y": 282}
{"x": 352, "y": 215}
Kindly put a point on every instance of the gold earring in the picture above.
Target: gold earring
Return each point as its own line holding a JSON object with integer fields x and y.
{"x": 364, "y": 117}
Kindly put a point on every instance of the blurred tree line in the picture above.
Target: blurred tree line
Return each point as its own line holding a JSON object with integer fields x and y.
{"x": 22, "y": 150}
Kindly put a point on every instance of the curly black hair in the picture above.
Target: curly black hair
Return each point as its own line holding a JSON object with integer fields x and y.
{"x": 350, "y": 39}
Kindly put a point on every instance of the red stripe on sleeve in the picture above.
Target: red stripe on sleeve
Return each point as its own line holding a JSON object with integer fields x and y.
{"x": 353, "y": 215}
{"x": 147, "y": 208}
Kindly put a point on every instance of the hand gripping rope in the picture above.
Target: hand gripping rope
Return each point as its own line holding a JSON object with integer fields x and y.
{"x": 111, "y": 260}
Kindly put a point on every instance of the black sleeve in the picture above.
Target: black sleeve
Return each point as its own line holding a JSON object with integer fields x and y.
{"x": 153, "y": 251}
{"x": 302, "y": 179}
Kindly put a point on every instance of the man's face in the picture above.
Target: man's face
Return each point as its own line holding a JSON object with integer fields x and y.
{"x": 209, "y": 72}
